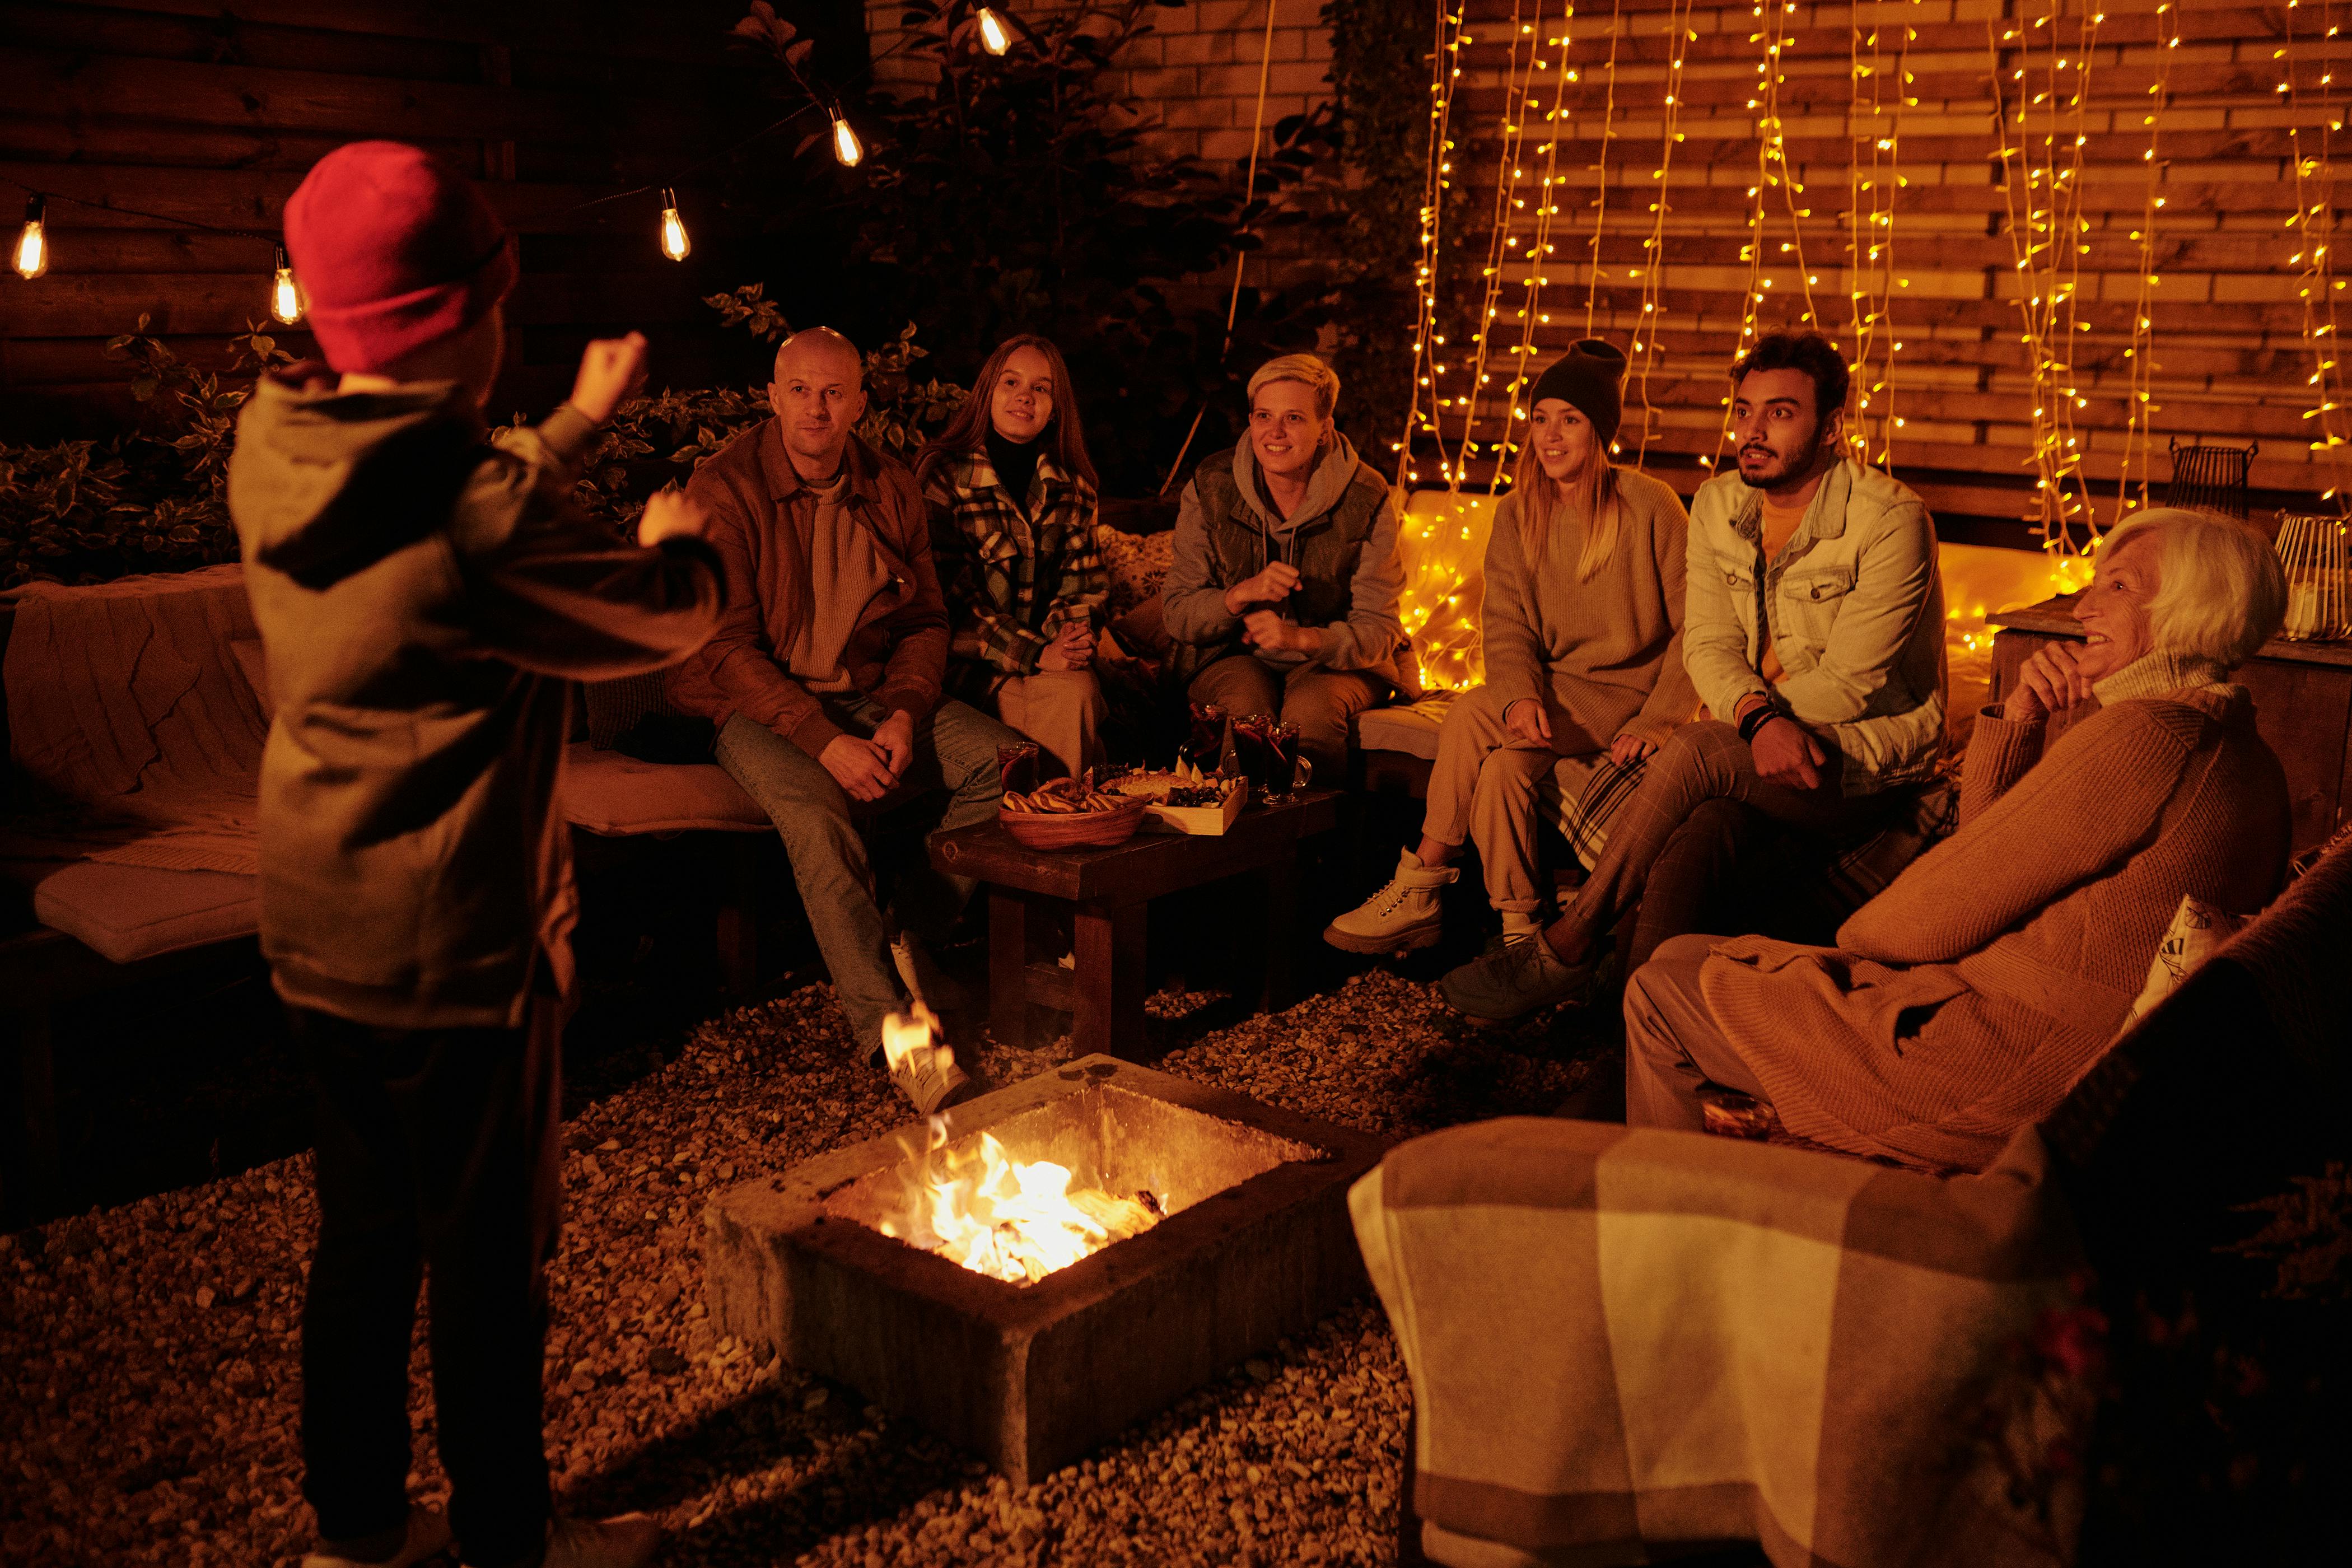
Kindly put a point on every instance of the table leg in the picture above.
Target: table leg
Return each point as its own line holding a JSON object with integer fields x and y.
{"x": 1281, "y": 896}
{"x": 1106, "y": 992}
{"x": 1008, "y": 965}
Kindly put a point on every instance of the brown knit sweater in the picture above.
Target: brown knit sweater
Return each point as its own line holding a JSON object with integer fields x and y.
{"x": 1965, "y": 1001}
{"x": 1607, "y": 655}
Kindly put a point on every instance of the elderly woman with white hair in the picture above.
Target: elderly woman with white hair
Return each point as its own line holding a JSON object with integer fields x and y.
{"x": 1282, "y": 597}
{"x": 1964, "y": 1002}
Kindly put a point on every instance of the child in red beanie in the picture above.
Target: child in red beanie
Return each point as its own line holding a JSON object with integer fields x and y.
{"x": 425, "y": 598}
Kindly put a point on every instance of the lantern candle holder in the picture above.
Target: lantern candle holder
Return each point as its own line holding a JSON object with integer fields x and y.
{"x": 2312, "y": 550}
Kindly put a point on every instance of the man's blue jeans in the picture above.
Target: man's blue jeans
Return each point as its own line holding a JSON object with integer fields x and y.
{"x": 955, "y": 757}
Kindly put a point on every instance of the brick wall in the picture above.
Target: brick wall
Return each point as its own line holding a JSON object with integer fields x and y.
{"x": 1197, "y": 71}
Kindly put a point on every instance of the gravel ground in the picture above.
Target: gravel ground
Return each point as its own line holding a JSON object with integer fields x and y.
{"x": 148, "y": 1366}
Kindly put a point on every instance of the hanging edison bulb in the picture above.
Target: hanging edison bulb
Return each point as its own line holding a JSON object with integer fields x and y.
{"x": 846, "y": 147}
{"x": 284, "y": 297}
{"x": 31, "y": 258}
{"x": 995, "y": 37}
{"x": 674, "y": 244}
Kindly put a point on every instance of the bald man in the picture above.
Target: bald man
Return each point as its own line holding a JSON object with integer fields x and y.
{"x": 823, "y": 681}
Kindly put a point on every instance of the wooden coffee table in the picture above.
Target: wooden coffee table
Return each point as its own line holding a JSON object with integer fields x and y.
{"x": 1110, "y": 891}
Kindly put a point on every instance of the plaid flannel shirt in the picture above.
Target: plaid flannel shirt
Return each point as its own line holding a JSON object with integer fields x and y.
{"x": 1012, "y": 580}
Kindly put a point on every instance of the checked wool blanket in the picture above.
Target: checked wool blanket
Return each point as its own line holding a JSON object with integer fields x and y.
{"x": 1626, "y": 1341}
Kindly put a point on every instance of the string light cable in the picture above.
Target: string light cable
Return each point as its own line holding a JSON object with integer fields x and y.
{"x": 2313, "y": 221}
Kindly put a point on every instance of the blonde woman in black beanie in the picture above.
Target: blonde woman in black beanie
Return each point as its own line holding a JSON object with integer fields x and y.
{"x": 1582, "y": 627}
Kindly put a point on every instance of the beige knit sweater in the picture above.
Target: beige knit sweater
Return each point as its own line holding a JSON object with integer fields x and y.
{"x": 1606, "y": 655}
{"x": 1964, "y": 1002}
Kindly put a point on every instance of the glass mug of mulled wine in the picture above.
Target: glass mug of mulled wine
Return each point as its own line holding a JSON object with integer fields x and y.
{"x": 1205, "y": 742}
{"x": 1016, "y": 767}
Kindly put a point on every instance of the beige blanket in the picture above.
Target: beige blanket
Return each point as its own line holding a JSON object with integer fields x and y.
{"x": 1624, "y": 1341}
{"x": 135, "y": 731}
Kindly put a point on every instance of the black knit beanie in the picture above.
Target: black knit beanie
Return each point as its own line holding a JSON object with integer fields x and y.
{"x": 1590, "y": 378}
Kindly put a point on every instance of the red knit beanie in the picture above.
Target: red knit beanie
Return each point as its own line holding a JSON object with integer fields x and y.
{"x": 395, "y": 252}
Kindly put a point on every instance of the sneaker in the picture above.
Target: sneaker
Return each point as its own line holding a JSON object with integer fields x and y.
{"x": 428, "y": 1537}
{"x": 1400, "y": 917}
{"x": 923, "y": 1064}
{"x": 1522, "y": 978}
{"x": 630, "y": 1541}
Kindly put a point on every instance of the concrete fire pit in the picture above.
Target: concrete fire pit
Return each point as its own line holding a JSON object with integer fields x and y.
{"x": 1256, "y": 1246}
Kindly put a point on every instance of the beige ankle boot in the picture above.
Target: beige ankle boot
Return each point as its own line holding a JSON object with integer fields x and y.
{"x": 1400, "y": 917}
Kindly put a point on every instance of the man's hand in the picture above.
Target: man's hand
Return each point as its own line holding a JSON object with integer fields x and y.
{"x": 859, "y": 766}
{"x": 1628, "y": 749}
{"x": 668, "y": 514}
{"x": 1786, "y": 753}
{"x": 1527, "y": 718}
{"x": 1266, "y": 630}
{"x": 611, "y": 370}
{"x": 2052, "y": 680}
{"x": 896, "y": 736}
{"x": 1072, "y": 649}
{"x": 1268, "y": 587}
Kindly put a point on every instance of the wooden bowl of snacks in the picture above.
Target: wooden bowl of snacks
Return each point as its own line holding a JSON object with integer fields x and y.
{"x": 1070, "y": 813}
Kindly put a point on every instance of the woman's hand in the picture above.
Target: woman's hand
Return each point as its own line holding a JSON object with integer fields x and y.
{"x": 1270, "y": 587}
{"x": 1073, "y": 647}
{"x": 668, "y": 514}
{"x": 2052, "y": 680}
{"x": 1527, "y": 718}
{"x": 1628, "y": 749}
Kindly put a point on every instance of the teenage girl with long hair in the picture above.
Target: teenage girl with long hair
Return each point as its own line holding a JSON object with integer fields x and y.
{"x": 1012, "y": 502}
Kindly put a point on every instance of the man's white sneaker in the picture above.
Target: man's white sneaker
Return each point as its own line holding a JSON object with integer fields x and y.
{"x": 630, "y": 1541}
{"x": 428, "y": 1536}
{"x": 1400, "y": 917}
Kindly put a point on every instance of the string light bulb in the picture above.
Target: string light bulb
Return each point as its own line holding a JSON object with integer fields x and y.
{"x": 31, "y": 256}
{"x": 285, "y": 297}
{"x": 847, "y": 150}
{"x": 995, "y": 37}
{"x": 674, "y": 243}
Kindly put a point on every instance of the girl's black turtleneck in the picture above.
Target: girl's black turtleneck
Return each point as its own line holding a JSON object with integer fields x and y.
{"x": 1016, "y": 463}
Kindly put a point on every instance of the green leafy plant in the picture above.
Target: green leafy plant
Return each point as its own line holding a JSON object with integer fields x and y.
{"x": 151, "y": 499}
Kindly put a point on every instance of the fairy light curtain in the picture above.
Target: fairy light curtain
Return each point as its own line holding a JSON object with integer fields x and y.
{"x": 1992, "y": 221}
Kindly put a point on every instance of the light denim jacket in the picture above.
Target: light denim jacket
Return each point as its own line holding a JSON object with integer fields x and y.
{"x": 1857, "y": 617}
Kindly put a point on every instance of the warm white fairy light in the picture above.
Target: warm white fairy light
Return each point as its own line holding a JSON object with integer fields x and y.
{"x": 2047, "y": 235}
{"x": 1648, "y": 320}
{"x": 1601, "y": 170}
{"x": 2140, "y": 383}
{"x": 1874, "y": 175}
{"x": 1420, "y": 413}
{"x": 2313, "y": 221}
{"x": 995, "y": 37}
{"x": 285, "y": 296}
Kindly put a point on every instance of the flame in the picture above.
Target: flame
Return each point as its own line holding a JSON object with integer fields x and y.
{"x": 1018, "y": 1220}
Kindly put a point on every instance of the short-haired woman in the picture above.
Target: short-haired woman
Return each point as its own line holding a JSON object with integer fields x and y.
{"x": 1283, "y": 594}
{"x": 1011, "y": 496}
{"x": 1964, "y": 1002}
{"x": 1582, "y": 628}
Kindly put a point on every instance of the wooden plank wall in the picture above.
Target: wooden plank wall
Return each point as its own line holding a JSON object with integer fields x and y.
{"x": 211, "y": 110}
{"x": 2230, "y": 358}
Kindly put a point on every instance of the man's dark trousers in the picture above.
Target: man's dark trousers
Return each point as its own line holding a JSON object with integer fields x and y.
{"x": 438, "y": 1156}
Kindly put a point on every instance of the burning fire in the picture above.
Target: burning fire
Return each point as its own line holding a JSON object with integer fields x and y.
{"x": 1010, "y": 1219}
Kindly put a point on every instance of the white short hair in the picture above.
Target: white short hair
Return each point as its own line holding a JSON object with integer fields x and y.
{"x": 2220, "y": 593}
{"x": 1308, "y": 371}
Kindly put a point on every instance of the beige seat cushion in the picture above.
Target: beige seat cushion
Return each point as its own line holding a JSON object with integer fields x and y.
{"x": 128, "y": 913}
{"x": 1410, "y": 728}
{"x": 614, "y": 794}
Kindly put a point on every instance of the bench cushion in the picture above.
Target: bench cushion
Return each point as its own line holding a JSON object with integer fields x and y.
{"x": 614, "y": 794}
{"x": 1410, "y": 728}
{"x": 126, "y": 913}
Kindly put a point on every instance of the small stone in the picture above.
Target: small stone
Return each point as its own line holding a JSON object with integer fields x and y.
{"x": 205, "y": 1297}
{"x": 608, "y": 1146}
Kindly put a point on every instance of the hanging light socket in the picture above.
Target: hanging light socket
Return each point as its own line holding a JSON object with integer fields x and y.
{"x": 994, "y": 36}
{"x": 847, "y": 150}
{"x": 285, "y": 295}
{"x": 674, "y": 243}
{"x": 31, "y": 256}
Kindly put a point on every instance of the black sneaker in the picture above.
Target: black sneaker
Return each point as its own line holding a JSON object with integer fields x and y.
{"x": 1522, "y": 978}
